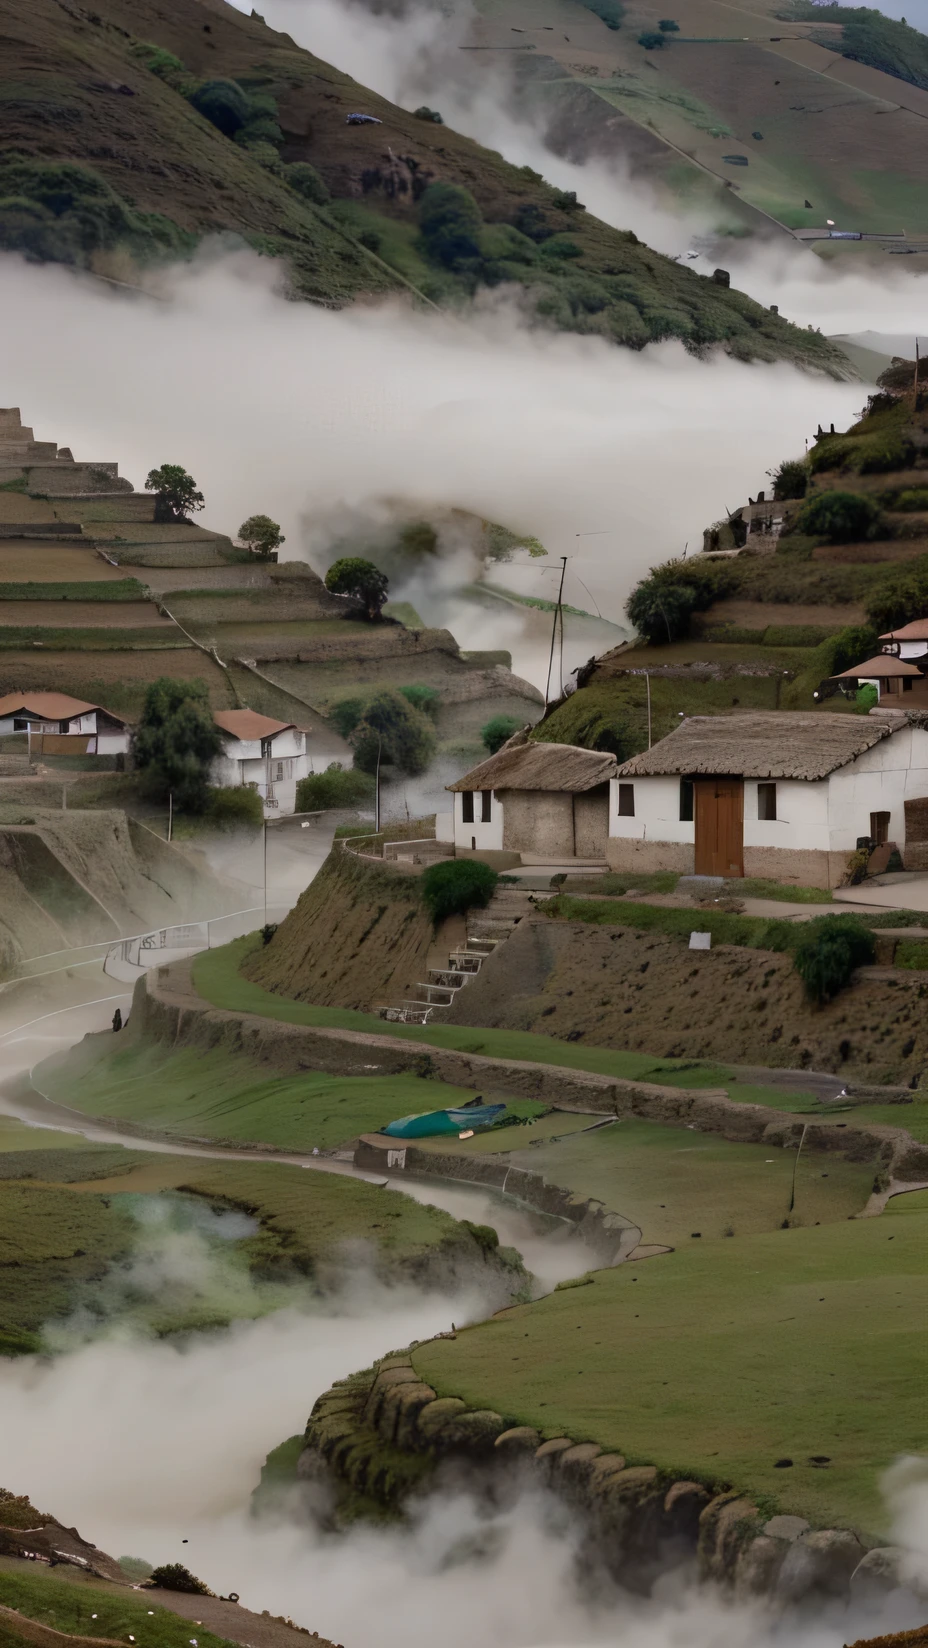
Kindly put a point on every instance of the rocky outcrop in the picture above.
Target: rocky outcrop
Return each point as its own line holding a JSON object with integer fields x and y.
{"x": 26, "y": 1532}
{"x": 378, "y": 1438}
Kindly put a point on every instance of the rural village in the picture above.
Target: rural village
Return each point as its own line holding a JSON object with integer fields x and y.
{"x": 404, "y": 974}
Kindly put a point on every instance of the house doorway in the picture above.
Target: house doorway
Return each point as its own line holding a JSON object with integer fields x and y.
{"x": 719, "y": 814}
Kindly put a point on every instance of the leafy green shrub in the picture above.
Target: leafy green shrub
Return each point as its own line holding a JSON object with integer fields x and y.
{"x": 651, "y": 40}
{"x": 842, "y": 651}
{"x": 866, "y": 698}
{"x": 912, "y": 499}
{"x": 902, "y": 597}
{"x": 173, "y": 1576}
{"x": 395, "y": 732}
{"x": 176, "y": 742}
{"x": 495, "y": 732}
{"x": 261, "y": 535}
{"x": 234, "y": 807}
{"x": 830, "y": 950}
{"x": 361, "y": 581}
{"x": 424, "y": 698}
{"x": 338, "y": 786}
{"x": 425, "y": 113}
{"x": 223, "y": 103}
{"x": 259, "y": 128}
{"x": 667, "y": 25}
{"x": 912, "y": 954}
{"x": 450, "y": 225}
{"x": 304, "y": 180}
{"x": 791, "y": 479}
{"x": 59, "y": 212}
{"x": 346, "y": 714}
{"x": 661, "y": 612}
{"x": 841, "y": 517}
{"x": 456, "y": 886}
{"x": 166, "y": 66}
{"x": 566, "y": 201}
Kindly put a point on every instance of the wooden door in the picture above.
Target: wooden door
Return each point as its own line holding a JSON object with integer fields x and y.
{"x": 719, "y": 810}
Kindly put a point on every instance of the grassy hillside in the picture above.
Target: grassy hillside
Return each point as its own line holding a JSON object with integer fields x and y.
{"x": 803, "y": 1345}
{"x": 764, "y": 631}
{"x": 867, "y": 36}
{"x": 154, "y": 175}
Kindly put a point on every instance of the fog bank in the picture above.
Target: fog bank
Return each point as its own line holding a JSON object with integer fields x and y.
{"x": 305, "y": 414}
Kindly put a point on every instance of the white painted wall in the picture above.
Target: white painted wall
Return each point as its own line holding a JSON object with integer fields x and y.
{"x": 912, "y": 650}
{"x": 823, "y": 815}
{"x": 486, "y": 837}
{"x": 657, "y": 811}
{"x": 243, "y": 763}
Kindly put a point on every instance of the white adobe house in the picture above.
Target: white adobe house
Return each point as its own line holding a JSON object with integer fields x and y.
{"x": 544, "y": 802}
{"x": 269, "y": 756}
{"x": 56, "y": 724}
{"x": 909, "y": 642}
{"x": 786, "y": 795}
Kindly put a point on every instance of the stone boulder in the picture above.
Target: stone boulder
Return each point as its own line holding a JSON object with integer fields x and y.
{"x": 819, "y": 1564}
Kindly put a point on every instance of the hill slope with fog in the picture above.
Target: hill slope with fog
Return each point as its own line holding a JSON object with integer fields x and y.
{"x": 117, "y": 92}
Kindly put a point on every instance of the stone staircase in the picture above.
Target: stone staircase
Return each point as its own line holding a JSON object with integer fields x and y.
{"x": 486, "y": 930}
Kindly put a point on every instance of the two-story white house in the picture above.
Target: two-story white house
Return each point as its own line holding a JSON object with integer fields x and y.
{"x": 268, "y": 755}
{"x": 786, "y": 795}
{"x": 910, "y": 641}
{"x": 56, "y": 724}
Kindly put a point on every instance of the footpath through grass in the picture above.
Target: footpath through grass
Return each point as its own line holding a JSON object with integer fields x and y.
{"x": 77, "y": 1606}
{"x": 721, "y": 1359}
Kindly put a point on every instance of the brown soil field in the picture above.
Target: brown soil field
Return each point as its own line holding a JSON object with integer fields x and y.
{"x": 645, "y": 992}
{"x": 114, "y": 678}
{"x": 37, "y": 561}
{"x": 157, "y": 532}
{"x": 166, "y": 580}
{"x": 84, "y": 615}
{"x": 324, "y": 683}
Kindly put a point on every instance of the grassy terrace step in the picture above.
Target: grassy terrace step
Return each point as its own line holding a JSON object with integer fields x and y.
{"x": 719, "y": 1360}
{"x": 217, "y": 979}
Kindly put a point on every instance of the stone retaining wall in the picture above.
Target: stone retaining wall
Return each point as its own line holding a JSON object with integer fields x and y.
{"x": 610, "y": 1236}
{"x": 167, "y": 1008}
{"x": 384, "y": 1434}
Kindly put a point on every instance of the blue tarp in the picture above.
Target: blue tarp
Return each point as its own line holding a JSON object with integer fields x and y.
{"x": 431, "y": 1122}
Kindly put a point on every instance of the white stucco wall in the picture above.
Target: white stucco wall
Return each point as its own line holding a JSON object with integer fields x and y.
{"x": 824, "y": 815}
{"x": 486, "y": 837}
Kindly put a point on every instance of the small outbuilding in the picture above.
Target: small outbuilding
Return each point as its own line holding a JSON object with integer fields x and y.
{"x": 892, "y": 676}
{"x": 784, "y": 794}
{"x": 547, "y": 802}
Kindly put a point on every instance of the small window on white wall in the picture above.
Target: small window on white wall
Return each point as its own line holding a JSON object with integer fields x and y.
{"x": 766, "y": 801}
{"x": 467, "y": 806}
{"x": 486, "y": 806}
{"x": 626, "y": 800}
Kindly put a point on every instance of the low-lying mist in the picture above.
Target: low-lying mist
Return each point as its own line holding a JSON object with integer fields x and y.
{"x": 303, "y": 414}
{"x": 154, "y": 1448}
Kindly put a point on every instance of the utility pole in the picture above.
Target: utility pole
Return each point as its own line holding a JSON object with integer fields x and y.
{"x": 557, "y": 615}
{"x": 377, "y": 785}
{"x": 647, "y": 676}
{"x": 170, "y": 814}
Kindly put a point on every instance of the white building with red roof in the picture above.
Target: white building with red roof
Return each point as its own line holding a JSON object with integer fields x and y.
{"x": 267, "y": 755}
{"x": 48, "y": 717}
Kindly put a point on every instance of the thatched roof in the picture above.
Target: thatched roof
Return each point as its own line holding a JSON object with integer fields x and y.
{"x": 788, "y": 744}
{"x": 540, "y": 767}
{"x": 884, "y": 665}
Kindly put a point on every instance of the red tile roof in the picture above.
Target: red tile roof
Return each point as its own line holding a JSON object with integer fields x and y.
{"x": 248, "y": 725}
{"x": 51, "y": 706}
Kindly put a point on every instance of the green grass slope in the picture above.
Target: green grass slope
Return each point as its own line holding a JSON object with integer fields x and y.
{"x": 69, "y": 1603}
{"x": 157, "y": 176}
{"x": 719, "y": 1360}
